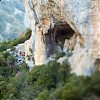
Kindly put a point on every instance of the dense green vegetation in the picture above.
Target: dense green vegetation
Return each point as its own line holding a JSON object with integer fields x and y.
{"x": 16, "y": 41}
{"x": 52, "y": 81}
{"x": 59, "y": 55}
{"x": 11, "y": 18}
{"x": 8, "y": 67}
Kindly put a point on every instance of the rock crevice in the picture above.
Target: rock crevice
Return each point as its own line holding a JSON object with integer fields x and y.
{"x": 65, "y": 25}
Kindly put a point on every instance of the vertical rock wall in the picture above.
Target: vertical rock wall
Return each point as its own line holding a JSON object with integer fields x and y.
{"x": 83, "y": 18}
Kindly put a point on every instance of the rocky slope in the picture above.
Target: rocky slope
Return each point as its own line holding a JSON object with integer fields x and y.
{"x": 66, "y": 25}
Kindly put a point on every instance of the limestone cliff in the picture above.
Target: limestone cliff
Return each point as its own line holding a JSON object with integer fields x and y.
{"x": 66, "y": 25}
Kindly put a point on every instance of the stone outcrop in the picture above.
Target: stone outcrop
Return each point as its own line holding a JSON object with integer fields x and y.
{"x": 28, "y": 52}
{"x": 69, "y": 25}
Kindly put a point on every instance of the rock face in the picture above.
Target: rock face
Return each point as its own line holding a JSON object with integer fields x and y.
{"x": 28, "y": 53}
{"x": 69, "y": 25}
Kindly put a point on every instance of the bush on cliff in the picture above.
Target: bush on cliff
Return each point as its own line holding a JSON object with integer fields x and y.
{"x": 10, "y": 44}
{"x": 59, "y": 55}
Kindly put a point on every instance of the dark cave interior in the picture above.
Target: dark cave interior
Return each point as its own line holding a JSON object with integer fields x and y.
{"x": 57, "y": 36}
{"x": 62, "y": 31}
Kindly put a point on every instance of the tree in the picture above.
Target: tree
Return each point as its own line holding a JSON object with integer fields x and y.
{"x": 44, "y": 95}
{"x": 10, "y": 60}
{"x": 64, "y": 71}
{"x": 59, "y": 55}
{"x": 3, "y": 89}
{"x": 3, "y": 66}
{"x": 24, "y": 67}
{"x": 94, "y": 86}
{"x": 74, "y": 89}
{"x": 6, "y": 54}
{"x": 28, "y": 33}
{"x": 48, "y": 77}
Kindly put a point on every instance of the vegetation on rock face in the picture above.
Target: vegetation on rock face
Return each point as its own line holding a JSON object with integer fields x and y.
{"x": 24, "y": 67}
{"x": 8, "y": 67}
{"x": 10, "y": 44}
{"x": 52, "y": 81}
{"x": 28, "y": 57}
{"x": 30, "y": 49}
{"x": 59, "y": 55}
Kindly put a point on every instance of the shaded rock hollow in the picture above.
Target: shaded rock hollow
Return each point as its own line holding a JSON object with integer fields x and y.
{"x": 67, "y": 25}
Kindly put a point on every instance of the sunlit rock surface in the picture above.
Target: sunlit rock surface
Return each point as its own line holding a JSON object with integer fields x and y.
{"x": 77, "y": 20}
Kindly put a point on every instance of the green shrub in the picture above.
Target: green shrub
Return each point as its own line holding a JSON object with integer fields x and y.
{"x": 28, "y": 33}
{"x": 64, "y": 71}
{"x": 10, "y": 60}
{"x": 72, "y": 91}
{"x": 24, "y": 67}
{"x": 12, "y": 49}
{"x": 3, "y": 46}
{"x": 10, "y": 44}
{"x": 94, "y": 86}
{"x": 28, "y": 57}
{"x": 43, "y": 95}
{"x": 30, "y": 49}
{"x": 51, "y": 81}
{"x": 7, "y": 64}
{"x": 6, "y": 54}
{"x": 59, "y": 55}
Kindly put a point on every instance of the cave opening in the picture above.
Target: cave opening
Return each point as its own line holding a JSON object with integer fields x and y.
{"x": 62, "y": 31}
{"x": 56, "y": 38}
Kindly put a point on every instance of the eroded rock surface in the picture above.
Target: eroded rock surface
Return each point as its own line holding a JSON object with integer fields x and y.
{"x": 70, "y": 25}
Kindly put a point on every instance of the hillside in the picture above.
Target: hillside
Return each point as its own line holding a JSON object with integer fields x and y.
{"x": 12, "y": 18}
{"x": 58, "y": 57}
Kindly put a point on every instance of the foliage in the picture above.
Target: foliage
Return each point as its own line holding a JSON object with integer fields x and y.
{"x": 10, "y": 60}
{"x": 24, "y": 67}
{"x": 12, "y": 49}
{"x": 7, "y": 65}
{"x": 6, "y": 54}
{"x": 59, "y": 55}
{"x": 51, "y": 81}
{"x": 11, "y": 18}
{"x": 10, "y": 44}
{"x": 30, "y": 49}
{"x": 73, "y": 89}
{"x": 43, "y": 95}
{"x": 94, "y": 87}
{"x": 28, "y": 57}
